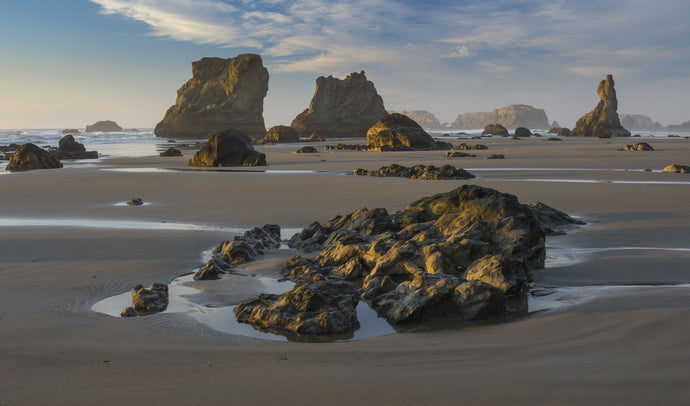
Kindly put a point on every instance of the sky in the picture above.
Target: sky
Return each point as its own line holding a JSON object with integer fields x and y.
{"x": 68, "y": 63}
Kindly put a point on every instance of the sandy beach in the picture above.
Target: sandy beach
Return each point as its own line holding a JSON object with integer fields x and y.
{"x": 67, "y": 241}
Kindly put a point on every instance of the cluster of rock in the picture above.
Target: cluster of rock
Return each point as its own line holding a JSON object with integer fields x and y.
{"x": 30, "y": 157}
{"x": 340, "y": 108}
{"x": 640, "y": 146}
{"x": 675, "y": 168}
{"x": 475, "y": 147}
{"x": 222, "y": 94}
{"x": 69, "y": 148}
{"x": 147, "y": 301}
{"x": 511, "y": 116}
{"x": 106, "y": 126}
{"x": 603, "y": 121}
{"x": 445, "y": 172}
{"x": 457, "y": 254}
{"x": 228, "y": 148}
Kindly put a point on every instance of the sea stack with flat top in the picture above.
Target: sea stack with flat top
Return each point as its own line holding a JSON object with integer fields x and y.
{"x": 222, "y": 94}
{"x": 603, "y": 121}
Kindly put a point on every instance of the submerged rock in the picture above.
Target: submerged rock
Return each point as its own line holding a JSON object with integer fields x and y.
{"x": 222, "y": 94}
{"x": 603, "y": 121}
{"x": 228, "y": 148}
{"x": 147, "y": 301}
{"x": 29, "y": 157}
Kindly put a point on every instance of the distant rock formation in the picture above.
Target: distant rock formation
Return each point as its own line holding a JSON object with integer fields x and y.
{"x": 424, "y": 118}
{"x": 495, "y": 129}
{"x": 639, "y": 122}
{"x": 106, "y": 126}
{"x": 511, "y": 117}
{"x": 228, "y": 148}
{"x": 562, "y": 131}
{"x": 396, "y": 131}
{"x": 555, "y": 124}
{"x": 222, "y": 94}
{"x": 341, "y": 108}
{"x": 28, "y": 157}
{"x": 679, "y": 127}
{"x": 71, "y": 131}
{"x": 603, "y": 121}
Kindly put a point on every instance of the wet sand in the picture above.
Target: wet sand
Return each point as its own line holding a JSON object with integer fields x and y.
{"x": 619, "y": 346}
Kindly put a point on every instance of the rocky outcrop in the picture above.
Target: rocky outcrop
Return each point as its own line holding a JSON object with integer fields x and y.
{"x": 522, "y": 132}
{"x": 639, "y": 122}
{"x": 29, "y": 157}
{"x": 106, "y": 126}
{"x": 228, "y": 148}
{"x": 171, "y": 152}
{"x": 399, "y": 131}
{"x": 341, "y": 108}
{"x": 222, "y": 94}
{"x": 495, "y": 129}
{"x": 418, "y": 172}
{"x": 561, "y": 131}
{"x": 603, "y": 121}
{"x": 458, "y": 154}
{"x": 511, "y": 116}
{"x": 280, "y": 134}
{"x": 675, "y": 168}
{"x": 147, "y": 301}
{"x": 424, "y": 118}
{"x": 640, "y": 146}
{"x": 68, "y": 148}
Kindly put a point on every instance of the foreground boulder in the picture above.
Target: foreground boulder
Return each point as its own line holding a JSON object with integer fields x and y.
{"x": 397, "y": 131}
{"x": 222, "y": 94}
{"x": 603, "y": 121}
{"x": 341, "y": 108}
{"x": 147, "y": 301}
{"x": 106, "y": 126}
{"x": 675, "y": 168}
{"x": 228, "y": 148}
{"x": 28, "y": 157}
{"x": 640, "y": 146}
{"x": 418, "y": 172}
{"x": 495, "y": 129}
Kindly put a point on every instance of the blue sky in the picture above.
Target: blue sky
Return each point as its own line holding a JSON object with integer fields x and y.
{"x": 68, "y": 63}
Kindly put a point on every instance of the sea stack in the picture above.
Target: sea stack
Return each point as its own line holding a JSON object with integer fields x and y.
{"x": 222, "y": 94}
{"x": 510, "y": 117}
{"x": 341, "y": 108}
{"x": 603, "y": 121}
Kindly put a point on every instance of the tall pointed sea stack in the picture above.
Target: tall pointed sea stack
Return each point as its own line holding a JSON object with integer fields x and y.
{"x": 222, "y": 94}
{"x": 341, "y": 108}
{"x": 603, "y": 121}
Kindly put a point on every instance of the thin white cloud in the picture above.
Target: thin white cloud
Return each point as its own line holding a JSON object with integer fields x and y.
{"x": 595, "y": 71}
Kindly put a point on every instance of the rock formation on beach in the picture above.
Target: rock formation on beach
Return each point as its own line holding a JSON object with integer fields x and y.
{"x": 398, "y": 131}
{"x": 562, "y": 131}
{"x": 171, "y": 152}
{"x": 603, "y": 121}
{"x": 147, "y": 301}
{"x": 522, "y": 132}
{"x": 28, "y": 157}
{"x": 280, "y": 134}
{"x": 222, "y": 94}
{"x": 639, "y": 122}
{"x": 307, "y": 150}
{"x": 69, "y": 148}
{"x": 675, "y": 168}
{"x": 424, "y": 119}
{"x": 511, "y": 116}
{"x": 640, "y": 146}
{"x": 418, "y": 172}
{"x": 228, "y": 148}
{"x": 341, "y": 108}
{"x": 495, "y": 129}
{"x": 104, "y": 127}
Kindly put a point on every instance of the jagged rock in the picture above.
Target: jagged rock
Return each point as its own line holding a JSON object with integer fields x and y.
{"x": 281, "y": 133}
{"x": 640, "y": 146}
{"x": 562, "y": 131}
{"x": 106, "y": 126}
{"x": 511, "y": 116}
{"x": 522, "y": 132}
{"x": 228, "y": 148}
{"x": 171, "y": 152}
{"x": 456, "y": 154}
{"x": 222, "y": 94}
{"x": 341, "y": 108}
{"x": 465, "y": 147}
{"x": 29, "y": 157}
{"x": 313, "y": 309}
{"x": 307, "y": 150}
{"x": 422, "y": 172}
{"x": 551, "y": 220}
{"x": 68, "y": 148}
{"x": 507, "y": 274}
{"x": 147, "y": 301}
{"x": 246, "y": 247}
{"x": 478, "y": 300}
{"x": 136, "y": 202}
{"x": 397, "y": 130}
{"x": 675, "y": 168}
{"x": 424, "y": 119}
{"x": 211, "y": 270}
{"x": 495, "y": 129}
{"x": 639, "y": 122}
{"x": 603, "y": 121}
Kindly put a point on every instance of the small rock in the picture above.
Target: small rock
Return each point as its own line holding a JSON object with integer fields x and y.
{"x": 136, "y": 202}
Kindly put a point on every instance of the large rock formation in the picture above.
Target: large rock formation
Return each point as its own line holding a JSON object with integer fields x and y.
{"x": 104, "y": 127}
{"x": 603, "y": 121}
{"x": 228, "y": 148}
{"x": 424, "y": 118}
{"x": 222, "y": 94}
{"x": 398, "y": 131}
{"x": 28, "y": 157}
{"x": 639, "y": 122}
{"x": 341, "y": 108}
{"x": 511, "y": 117}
